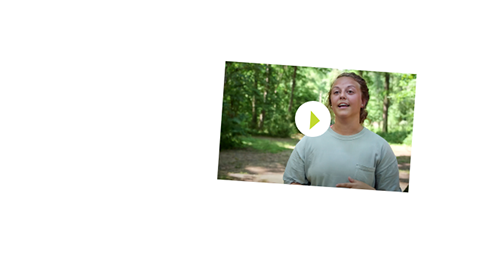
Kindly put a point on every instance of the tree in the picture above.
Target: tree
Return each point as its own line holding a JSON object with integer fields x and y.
{"x": 386, "y": 103}
{"x": 265, "y": 93}
{"x": 255, "y": 93}
{"x": 293, "y": 88}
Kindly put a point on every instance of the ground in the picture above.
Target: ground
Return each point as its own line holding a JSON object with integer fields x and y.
{"x": 248, "y": 164}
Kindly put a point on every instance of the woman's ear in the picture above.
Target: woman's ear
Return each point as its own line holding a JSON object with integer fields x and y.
{"x": 364, "y": 101}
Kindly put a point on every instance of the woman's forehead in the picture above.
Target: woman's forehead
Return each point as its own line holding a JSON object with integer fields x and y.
{"x": 345, "y": 82}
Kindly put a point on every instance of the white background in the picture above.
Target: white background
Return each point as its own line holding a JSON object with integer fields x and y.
{"x": 110, "y": 122}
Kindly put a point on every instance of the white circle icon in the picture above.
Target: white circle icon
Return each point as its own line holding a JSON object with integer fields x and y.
{"x": 312, "y": 118}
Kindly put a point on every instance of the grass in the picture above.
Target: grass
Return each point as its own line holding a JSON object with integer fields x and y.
{"x": 275, "y": 145}
{"x": 270, "y": 145}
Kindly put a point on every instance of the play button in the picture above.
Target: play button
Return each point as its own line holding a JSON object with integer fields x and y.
{"x": 312, "y": 118}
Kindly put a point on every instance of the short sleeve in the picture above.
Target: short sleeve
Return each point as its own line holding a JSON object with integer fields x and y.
{"x": 386, "y": 173}
{"x": 295, "y": 169}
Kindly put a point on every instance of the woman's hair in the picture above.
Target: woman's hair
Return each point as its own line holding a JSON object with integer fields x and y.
{"x": 363, "y": 88}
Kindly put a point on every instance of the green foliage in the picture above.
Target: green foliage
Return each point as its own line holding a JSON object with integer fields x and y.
{"x": 408, "y": 140}
{"x": 396, "y": 137}
{"x": 279, "y": 127}
{"x": 258, "y": 100}
{"x": 232, "y": 129}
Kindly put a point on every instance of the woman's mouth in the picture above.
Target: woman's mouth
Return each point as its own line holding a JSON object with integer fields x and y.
{"x": 343, "y": 105}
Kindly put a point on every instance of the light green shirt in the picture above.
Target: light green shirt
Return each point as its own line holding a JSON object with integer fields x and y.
{"x": 331, "y": 158}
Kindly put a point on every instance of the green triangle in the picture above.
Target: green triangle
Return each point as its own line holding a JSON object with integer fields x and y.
{"x": 313, "y": 120}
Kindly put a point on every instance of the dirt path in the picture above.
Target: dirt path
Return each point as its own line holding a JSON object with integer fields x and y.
{"x": 403, "y": 154}
{"x": 252, "y": 165}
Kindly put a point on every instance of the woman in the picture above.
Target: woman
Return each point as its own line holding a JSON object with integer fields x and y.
{"x": 347, "y": 154}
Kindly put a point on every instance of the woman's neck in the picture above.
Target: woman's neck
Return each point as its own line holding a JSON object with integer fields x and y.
{"x": 347, "y": 128}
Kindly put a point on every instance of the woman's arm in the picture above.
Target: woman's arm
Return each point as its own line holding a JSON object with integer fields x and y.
{"x": 386, "y": 172}
{"x": 355, "y": 184}
{"x": 295, "y": 170}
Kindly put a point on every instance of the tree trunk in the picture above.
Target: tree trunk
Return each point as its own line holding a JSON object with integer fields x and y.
{"x": 265, "y": 92}
{"x": 254, "y": 101}
{"x": 293, "y": 88}
{"x": 385, "y": 103}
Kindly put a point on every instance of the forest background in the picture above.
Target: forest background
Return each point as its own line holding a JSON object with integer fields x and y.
{"x": 262, "y": 99}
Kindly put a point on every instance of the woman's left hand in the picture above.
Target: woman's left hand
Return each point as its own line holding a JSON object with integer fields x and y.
{"x": 354, "y": 184}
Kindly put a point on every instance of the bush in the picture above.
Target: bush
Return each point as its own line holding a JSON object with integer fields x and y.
{"x": 408, "y": 139}
{"x": 280, "y": 126}
{"x": 396, "y": 137}
{"x": 232, "y": 129}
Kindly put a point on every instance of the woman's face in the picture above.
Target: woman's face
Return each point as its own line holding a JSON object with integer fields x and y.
{"x": 346, "y": 98}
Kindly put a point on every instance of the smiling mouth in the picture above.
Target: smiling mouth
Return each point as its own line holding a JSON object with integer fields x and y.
{"x": 343, "y": 105}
